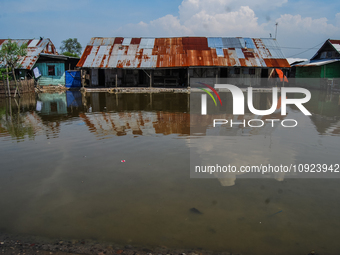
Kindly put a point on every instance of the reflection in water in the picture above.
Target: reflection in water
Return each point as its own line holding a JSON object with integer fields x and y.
{"x": 74, "y": 186}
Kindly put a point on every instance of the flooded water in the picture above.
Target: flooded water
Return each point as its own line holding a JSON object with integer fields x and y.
{"x": 115, "y": 167}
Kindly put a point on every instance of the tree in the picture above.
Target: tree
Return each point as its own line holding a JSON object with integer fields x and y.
{"x": 10, "y": 54}
{"x": 71, "y": 47}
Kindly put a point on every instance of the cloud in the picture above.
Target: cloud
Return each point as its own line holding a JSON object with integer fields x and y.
{"x": 305, "y": 32}
{"x": 199, "y": 17}
{"x": 296, "y": 25}
{"x": 231, "y": 18}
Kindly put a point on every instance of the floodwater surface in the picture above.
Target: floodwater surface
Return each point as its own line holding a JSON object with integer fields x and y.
{"x": 115, "y": 167}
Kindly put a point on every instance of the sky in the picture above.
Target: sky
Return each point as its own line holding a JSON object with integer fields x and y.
{"x": 303, "y": 25}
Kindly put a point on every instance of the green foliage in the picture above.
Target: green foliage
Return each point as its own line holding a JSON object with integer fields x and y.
{"x": 11, "y": 52}
{"x": 3, "y": 75}
{"x": 69, "y": 54}
{"x": 72, "y": 46}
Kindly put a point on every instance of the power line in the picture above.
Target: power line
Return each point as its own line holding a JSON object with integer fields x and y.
{"x": 296, "y": 48}
{"x": 306, "y": 50}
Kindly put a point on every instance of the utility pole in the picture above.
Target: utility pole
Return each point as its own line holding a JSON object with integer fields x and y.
{"x": 276, "y": 24}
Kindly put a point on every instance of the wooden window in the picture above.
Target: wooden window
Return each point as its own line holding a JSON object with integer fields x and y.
{"x": 252, "y": 71}
{"x": 51, "y": 70}
{"x": 237, "y": 70}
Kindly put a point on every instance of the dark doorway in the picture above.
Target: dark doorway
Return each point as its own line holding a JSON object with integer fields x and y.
{"x": 183, "y": 78}
{"x": 141, "y": 79}
{"x": 224, "y": 72}
{"x": 264, "y": 73}
{"x": 101, "y": 77}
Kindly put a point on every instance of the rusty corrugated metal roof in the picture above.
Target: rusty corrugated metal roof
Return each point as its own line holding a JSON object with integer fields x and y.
{"x": 145, "y": 53}
{"x": 34, "y": 48}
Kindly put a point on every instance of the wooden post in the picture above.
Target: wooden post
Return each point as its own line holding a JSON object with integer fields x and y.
{"x": 217, "y": 75}
{"x": 151, "y": 78}
{"x": 188, "y": 74}
{"x": 3, "y": 81}
{"x": 9, "y": 90}
{"x": 116, "y": 79}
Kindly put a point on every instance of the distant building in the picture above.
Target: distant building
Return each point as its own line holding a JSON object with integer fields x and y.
{"x": 119, "y": 61}
{"x": 325, "y": 65}
{"x": 42, "y": 54}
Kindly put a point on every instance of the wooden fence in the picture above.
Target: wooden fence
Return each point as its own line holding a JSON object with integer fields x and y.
{"x": 24, "y": 86}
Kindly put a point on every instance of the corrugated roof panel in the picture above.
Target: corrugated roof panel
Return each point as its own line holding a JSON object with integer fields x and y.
{"x": 183, "y": 52}
{"x": 147, "y": 43}
{"x": 118, "y": 40}
{"x": 249, "y": 43}
{"x": 239, "y": 53}
{"x": 135, "y": 40}
{"x": 104, "y": 50}
{"x": 35, "y": 47}
{"x": 215, "y": 42}
{"x": 336, "y": 44}
{"x": 115, "y": 56}
{"x": 148, "y": 61}
{"x": 231, "y": 42}
{"x": 89, "y": 62}
{"x": 274, "y": 48}
{"x": 261, "y": 62}
{"x": 195, "y": 43}
{"x": 102, "y": 41}
{"x": 33, "y": 43}
{"x": 219, "y": 52}
{"x": 231, "y": 57}
{"x": 207, "y": 58}
{"x": 243, "y": 45}
{"x": 317, "y": 62}
{"x": 277, "y": 63}
{"x": 127, "y": 41}
{"x": 261, "y": 49}
{"x": 98, "y": 60}
{"x": 108, "y": 41}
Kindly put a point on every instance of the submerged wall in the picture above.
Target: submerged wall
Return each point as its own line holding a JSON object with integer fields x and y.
{"x": 47, "y": 78}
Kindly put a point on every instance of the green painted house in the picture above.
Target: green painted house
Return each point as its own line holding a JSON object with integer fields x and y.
{"x": 323, "y": 69}
{"x": 43, "y": 62}
{"x": 52, "y": 68}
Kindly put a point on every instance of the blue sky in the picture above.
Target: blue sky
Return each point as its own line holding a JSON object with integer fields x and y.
{"x": 302, "y": 24}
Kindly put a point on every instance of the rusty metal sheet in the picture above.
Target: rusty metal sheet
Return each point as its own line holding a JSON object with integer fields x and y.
{"x": 183, "y": 52}
{"x": 91, "y": 57}
{"x": 277, "y": 63}
{"x": 35, "y": 47}
{"x": 101, "y": 41}
{"x": 195, "y": 43}
{"x": 135, "y": 40}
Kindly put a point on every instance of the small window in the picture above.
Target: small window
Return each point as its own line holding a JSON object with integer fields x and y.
{"x": 251, "y": 70}
{"x": 323, "y": 54}
{"x": 237, "y": 70}
{"x": 245, "y": 70}
{"x": 51, "y": 70}
{"x": 329, "y": 54}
